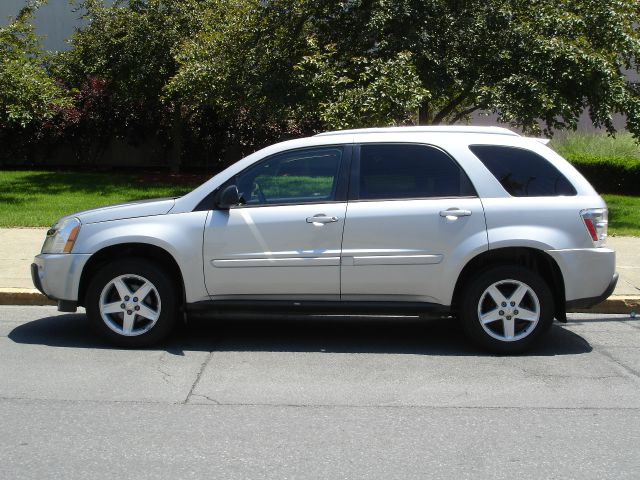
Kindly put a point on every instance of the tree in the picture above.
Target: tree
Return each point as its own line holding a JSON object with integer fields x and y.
{"x": 522, "y": 59}
{"x": 240, "y": 65}
{"x": 128, "y": 47}
{"x": 27, "y": 92}
{"x": 332, "y": 63}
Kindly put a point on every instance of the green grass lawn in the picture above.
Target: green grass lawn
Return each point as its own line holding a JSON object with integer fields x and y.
{"x": 624, "y": 214}
{"x": 37, "y": 199}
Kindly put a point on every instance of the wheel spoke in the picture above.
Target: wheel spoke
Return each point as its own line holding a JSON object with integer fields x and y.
{"x": 114, "y": 307}
{"x": 509, "y": 328}
{"x": 143, "y": 291}
{"x": 148, "y": 313}
{"x": 519, "y": 294}
{"x": 526, "y": 315}
{"x": 491, "y": 316}
{"x": 127, "y": 322}
{"x": 496, "y": 295}
{"x": 122, "y": 288}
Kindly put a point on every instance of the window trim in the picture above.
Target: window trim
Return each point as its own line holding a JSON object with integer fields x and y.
{"x": 354, "y": 183}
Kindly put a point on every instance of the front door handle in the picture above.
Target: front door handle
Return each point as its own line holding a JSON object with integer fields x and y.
{"x": 321, "y": 218}
{"x": 455, "y": 213}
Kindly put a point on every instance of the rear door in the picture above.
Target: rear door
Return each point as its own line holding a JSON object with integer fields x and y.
{"x": 412, "y": 220}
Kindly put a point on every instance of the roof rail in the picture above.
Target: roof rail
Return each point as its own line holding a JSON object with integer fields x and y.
{"x": 424, "y": 129}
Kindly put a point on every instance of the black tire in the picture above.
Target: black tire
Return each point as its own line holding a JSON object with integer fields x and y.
{"x": 164, "y": 298}
{"x": 506, "y": 278}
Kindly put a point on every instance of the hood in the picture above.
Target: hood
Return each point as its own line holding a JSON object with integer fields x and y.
{"x": 140, "y": 208}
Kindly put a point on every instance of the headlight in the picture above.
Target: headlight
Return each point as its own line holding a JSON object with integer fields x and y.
{"x": 62, "y": 236}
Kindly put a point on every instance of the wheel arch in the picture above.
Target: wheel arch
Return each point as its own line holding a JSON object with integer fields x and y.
{"x": 536, "y": 260}
{"x": 145, "y": 251}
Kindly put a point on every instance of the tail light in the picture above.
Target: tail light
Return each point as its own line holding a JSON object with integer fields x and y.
{"x": 596, "y": 222}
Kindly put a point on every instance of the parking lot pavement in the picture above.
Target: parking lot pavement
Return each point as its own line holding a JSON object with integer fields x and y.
{"x": 327, "y": 397}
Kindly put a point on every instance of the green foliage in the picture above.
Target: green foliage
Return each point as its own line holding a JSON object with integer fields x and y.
{"x": 242, "y": 60}
{"x": 27, "y": 93}
{"x": 597, "y": 145}
{"x": 278, "y": 187}
{"x": 363, "y": 92}
{"x": 262, "y": 58}
{"x": 328, "y": 64}
{"x": 222, "y": 77}
{"x": 611, "y": 164}
{"x": 523, "y": 59}
{"x": 129, "y": 45}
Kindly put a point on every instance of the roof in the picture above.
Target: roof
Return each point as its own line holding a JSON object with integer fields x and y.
{"x": 425, "y": 129}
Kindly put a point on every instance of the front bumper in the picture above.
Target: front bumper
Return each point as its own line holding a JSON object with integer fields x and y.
{"x": 58, "y": 275}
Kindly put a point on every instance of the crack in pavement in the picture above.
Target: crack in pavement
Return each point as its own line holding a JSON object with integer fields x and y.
{"x": 195, "y": 382}
{"x": 213, "y": 400}
{"x": 318, "y": 405}
{"x": 629, "y": 370}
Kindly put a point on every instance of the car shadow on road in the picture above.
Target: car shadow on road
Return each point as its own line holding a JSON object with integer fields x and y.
{"x": 331, "y": 334}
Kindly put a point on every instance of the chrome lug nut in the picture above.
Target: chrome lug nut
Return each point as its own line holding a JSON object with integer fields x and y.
{"x": 122, "y": 306}
{"x": 136, "y": 308}
{"x": 501, "y": 312}
{"x": 126, "y": 298}
{"x": 504, "y": 304}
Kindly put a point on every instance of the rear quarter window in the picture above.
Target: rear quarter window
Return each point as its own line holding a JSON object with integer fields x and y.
{"x": 523, "y": 173}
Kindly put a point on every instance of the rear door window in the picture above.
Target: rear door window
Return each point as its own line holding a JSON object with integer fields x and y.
{"x": 523, "y": 173}
{"x": 397, "y": 171}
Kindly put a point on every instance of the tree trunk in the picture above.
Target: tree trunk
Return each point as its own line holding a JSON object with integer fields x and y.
{"x": 424, "y": 114}
{"x": 176, "y": 141}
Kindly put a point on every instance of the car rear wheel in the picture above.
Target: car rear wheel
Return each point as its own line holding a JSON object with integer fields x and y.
{"x": 506, "y": 309}
{"x": 132, "y": 303}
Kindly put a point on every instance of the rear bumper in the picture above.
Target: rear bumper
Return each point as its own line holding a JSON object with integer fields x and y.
{"x": 591, "y": 301}
{"x": 588, "y": 273}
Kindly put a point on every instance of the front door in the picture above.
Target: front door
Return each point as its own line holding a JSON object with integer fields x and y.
{"x": 283, "y": 241}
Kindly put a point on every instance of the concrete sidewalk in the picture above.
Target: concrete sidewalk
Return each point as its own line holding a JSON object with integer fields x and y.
{"x": 20, "y": 245}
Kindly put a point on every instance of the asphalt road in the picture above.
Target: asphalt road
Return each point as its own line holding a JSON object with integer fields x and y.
{"x": 330, "y": 397}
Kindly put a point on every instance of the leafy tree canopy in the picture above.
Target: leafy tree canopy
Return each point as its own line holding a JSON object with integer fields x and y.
{"x": 379, "y": 62}
{"x": 27, "y": 92}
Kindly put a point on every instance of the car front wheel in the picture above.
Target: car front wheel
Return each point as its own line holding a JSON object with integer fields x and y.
{"x": 506, "y": 309}
{"x": 132, "y": 303}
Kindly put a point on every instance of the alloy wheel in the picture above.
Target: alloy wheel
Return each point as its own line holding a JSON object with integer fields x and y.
{"x": 130, "y": 305}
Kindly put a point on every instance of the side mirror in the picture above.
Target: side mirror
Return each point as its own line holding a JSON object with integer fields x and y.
{"x": 229, "y": 198}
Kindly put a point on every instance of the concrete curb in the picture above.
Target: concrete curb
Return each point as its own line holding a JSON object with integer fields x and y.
{"x": 624, "y": 304}
{"x": 23, "y": 296}
{"x": 30, "y": 296}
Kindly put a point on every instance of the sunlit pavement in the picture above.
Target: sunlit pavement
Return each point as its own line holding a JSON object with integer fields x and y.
{"x": 322, "y": 397}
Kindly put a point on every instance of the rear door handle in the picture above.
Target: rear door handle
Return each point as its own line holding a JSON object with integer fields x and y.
{"x": 455, "y": 212}
{"x": 321, "y": 218}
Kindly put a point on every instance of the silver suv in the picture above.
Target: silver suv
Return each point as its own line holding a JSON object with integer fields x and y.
{"x": 479, "y": 224}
